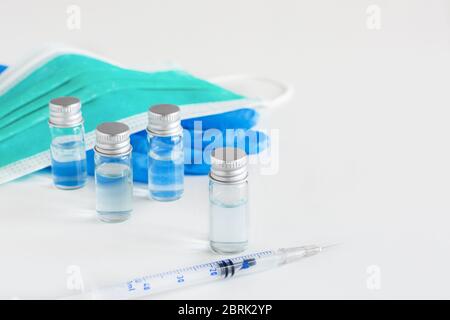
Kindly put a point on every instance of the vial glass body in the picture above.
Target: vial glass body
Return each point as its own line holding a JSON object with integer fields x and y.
{"x": 228, "y": 217}
{"x": 114, "y": 187}
{"x": 68, "y": 155}
{"x": 165, "y": 167}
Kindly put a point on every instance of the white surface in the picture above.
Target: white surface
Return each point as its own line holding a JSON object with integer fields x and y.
{"x": 364, "y": 156}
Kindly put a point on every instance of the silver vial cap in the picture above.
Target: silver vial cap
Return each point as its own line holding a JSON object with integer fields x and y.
{"x": 112, "y": 138}
{"x": 164, "y": 120}
{"x": 228, "y": 165}
{"x": 65, "y": 112}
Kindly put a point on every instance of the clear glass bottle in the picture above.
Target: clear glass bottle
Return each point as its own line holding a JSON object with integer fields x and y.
{"x": 67, "y": 148}
{"x": 165, "y": 153}
{"x": 113, "y": 172}
{"x": 228, "y": 197}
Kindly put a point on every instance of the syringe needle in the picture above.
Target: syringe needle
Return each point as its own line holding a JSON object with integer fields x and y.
{"x": 331, "y": 245}
{"x": 206, "y": 272}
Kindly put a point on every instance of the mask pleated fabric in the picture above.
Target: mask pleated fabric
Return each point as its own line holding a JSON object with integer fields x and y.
{"x": 107, "y": 93}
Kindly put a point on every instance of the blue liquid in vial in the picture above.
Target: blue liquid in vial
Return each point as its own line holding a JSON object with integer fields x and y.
{"x": 166, "y": 168}
{"x": 69, "y": 164}
{"x": 114, "y": 188}
{"x": 228, "y": 227}
{"x": 166, "y": 177}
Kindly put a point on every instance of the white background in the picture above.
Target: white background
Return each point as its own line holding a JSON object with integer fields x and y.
{"x": 363, "y": 151}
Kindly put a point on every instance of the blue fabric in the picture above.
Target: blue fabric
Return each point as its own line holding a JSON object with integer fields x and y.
{"x": 240, "y": 119}
{"x": 243, "y": 119}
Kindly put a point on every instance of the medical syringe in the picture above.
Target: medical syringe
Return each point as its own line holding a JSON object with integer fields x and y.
{"x": 202, "y": 273}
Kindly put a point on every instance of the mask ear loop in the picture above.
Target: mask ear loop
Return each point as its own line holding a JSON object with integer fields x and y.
{"x": 236, "y": 83}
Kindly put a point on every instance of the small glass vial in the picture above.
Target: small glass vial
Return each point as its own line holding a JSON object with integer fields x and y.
{"x": 67, "y": 148}
{"x": 228, "y": 198}
{"x": 113, "y": 172}
{"x": 165, "y": 153}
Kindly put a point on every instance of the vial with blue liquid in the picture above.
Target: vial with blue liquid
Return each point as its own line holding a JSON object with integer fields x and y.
{"x": 228, "y": 198}
{"x": 113, "y": 172}
{"x": 67, "y": 148}
{"x": 165, "y": 153}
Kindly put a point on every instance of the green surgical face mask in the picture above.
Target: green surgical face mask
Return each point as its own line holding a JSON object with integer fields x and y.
{"x": 107, "y": 93}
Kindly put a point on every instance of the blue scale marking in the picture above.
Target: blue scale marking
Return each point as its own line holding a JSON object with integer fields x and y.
{"x": 202, "y": 266}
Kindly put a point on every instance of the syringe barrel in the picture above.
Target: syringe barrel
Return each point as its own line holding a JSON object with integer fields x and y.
{"x": 202, "y": 273}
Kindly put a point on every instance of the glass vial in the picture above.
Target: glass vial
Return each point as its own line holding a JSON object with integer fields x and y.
{"x": 165, "y": 153}
{"x": 228, "y": 198}
{"x": 113, "y": 172}
{"x": 67, "y": 148}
